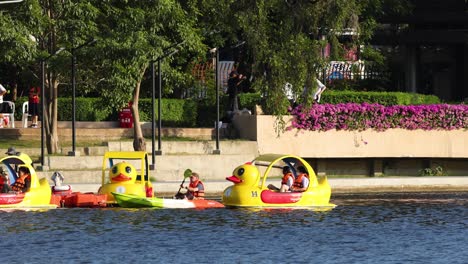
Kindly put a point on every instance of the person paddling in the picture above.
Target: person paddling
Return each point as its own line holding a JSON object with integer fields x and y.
{"x": 196, "y": 189}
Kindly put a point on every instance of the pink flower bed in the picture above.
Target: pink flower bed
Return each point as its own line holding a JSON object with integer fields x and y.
{"x": 351, "y": 116}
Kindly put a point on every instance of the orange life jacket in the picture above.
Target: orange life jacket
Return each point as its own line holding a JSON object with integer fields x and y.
{"x": 200, "y": 193}
{"x": 298, "y": 181}
{"x": 19, "y": 185}
{"x": 286, "y": 177}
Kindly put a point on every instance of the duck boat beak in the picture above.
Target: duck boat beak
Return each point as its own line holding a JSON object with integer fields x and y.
{"x": 233, "y": 179}
{"x": 121, "y": 178}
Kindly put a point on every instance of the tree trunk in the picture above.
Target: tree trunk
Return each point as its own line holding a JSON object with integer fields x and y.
{"x": 50, "y": 114}
{"x": 139, "y": 143}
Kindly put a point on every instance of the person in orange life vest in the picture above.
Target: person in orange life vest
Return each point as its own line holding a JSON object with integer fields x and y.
{"x": 23, "y": 182}
{"x": 33, "y": 105}
{"x": 4, "y": 181}
{"x": 196, "y": 189}
{"x": 302, "y": 181}
{"x": 286, "y": 182}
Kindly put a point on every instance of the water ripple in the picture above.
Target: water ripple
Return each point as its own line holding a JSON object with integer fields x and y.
{"x": 375, "y": 228}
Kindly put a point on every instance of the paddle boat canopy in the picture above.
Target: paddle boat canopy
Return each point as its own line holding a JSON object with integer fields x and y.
{"x": 125, "y": 172}
{"x": 250, "y": 185}
{"x": 37, "y": 197}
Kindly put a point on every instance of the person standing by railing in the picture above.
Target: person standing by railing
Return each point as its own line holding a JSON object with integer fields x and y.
{"x": 33, "y": 105}
{"x": 235, "y": 79}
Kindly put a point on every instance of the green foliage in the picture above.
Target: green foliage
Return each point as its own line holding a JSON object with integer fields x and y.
{"x": 136, "y": 33}
{"x": 383, "y": 98}
{"x": 434, "y": 171}
{"x": 202, "y": 113}
{"x": 285, "y": 45}
{"x": 87, "y": 109}
{"x": 249, "y": 100}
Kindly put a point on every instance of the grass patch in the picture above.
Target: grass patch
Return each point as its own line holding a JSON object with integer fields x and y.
{"x": 6, "y": 143}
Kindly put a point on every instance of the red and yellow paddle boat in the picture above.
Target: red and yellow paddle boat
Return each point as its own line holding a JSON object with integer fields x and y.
{"x": 250, "y": 188}
{"x": 37, "y": 197}
{"x": 125, "y": 172}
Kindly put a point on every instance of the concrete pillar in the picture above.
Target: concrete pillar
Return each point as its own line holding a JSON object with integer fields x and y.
{"x": 376, "y": 168}
{"x": 321, "y": 167}
{"x": 411, "y": 68}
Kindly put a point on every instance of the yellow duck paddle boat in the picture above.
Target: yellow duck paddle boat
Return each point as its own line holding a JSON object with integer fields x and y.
{"x": 38, "y": 195}
{"x": 125, "y": 172}
{"x": 250, "y": 190}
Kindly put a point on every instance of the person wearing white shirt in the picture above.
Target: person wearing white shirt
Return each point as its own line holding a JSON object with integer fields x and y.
{"x": 3, "y": 91}
{"x": 320, "y": 88}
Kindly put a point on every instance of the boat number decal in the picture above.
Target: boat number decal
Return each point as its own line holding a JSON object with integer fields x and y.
{"x": 120, "y": 189}
{"x": 254, "y": 194}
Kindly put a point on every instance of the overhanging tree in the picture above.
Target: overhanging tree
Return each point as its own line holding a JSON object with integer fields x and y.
{"x": 133, "y": 34}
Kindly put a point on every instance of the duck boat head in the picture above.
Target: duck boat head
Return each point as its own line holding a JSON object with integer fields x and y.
{"x": 125, "y": 172}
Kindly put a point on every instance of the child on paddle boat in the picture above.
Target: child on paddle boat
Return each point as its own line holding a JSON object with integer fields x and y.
{"x": 4, "y": 181}
{"x": 23, "y": 182}
{"x": 196, "y": 189}
{"x": 302, "y": 181}
{"x": 286, "y": 182}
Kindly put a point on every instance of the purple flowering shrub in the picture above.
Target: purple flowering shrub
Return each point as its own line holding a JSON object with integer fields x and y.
{"x": 352, "y": 116}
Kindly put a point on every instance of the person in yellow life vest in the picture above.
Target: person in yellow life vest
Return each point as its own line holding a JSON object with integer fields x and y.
{"x": 302, "y": 181}
{"x": 23, "y": 182}
{"x": 286, "y": 182}
{"x": 196, "y": 189}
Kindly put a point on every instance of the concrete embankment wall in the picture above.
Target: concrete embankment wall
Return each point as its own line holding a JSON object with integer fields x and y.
{"x": 336, "y": 147}
{"x": 373, "y": 153}
{"x": 175, "y": 159}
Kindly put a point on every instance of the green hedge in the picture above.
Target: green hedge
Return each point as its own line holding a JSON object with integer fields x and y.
{"x": 202, "y": 113}
{"x": 383, "y": 98}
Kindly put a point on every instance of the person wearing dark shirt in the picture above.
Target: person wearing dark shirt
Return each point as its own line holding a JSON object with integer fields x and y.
{"x": 234, "y": 81}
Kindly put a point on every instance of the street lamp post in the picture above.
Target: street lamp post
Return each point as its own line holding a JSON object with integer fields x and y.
{"x": 166, "y": 53}
{"x": 216, "y": 51}
{"x": 73, "y": 51}
{"x": 42, "y": 112}
{"x": 43, "y": 61}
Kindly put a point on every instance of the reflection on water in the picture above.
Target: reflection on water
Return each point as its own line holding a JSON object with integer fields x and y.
{"x": 373, "y": 228}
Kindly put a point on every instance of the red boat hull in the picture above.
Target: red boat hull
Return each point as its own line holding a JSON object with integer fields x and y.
{"x": 78, "y": 199}
{"x": 11, "y": 198}
{"x": 280, "y": 197}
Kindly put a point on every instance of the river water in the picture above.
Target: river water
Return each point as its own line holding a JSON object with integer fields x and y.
{"x": 365, "y": 228}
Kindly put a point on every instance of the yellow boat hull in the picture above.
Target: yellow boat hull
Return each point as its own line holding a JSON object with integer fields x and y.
{"x": 250, "y": 190}
{"x": 132, "y": 189}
